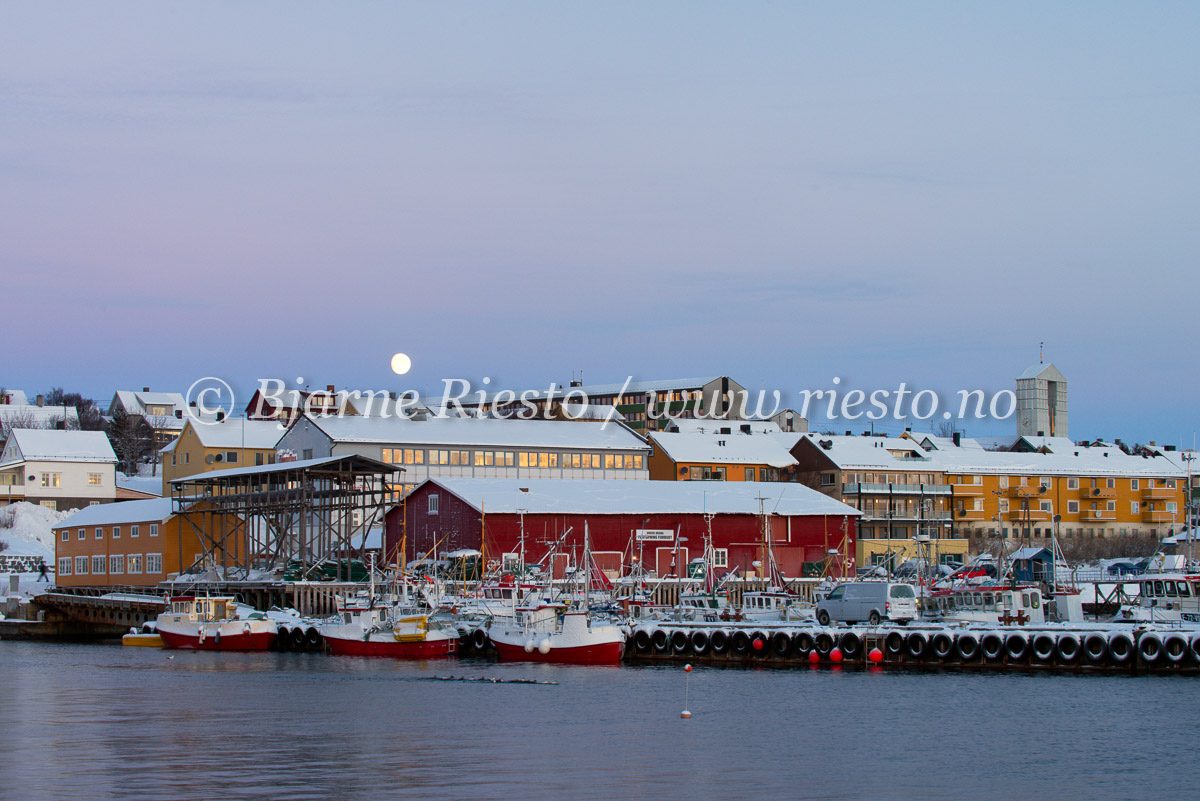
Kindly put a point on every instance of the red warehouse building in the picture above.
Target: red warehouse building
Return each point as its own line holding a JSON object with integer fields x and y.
{"x": 658, "y": 522}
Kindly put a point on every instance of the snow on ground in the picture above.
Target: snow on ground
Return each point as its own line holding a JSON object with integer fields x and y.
{"x": 26, "y": 527}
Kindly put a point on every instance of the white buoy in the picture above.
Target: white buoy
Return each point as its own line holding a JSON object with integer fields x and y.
{"x": 544, "y": 646}
{"x": 529, "y": 646}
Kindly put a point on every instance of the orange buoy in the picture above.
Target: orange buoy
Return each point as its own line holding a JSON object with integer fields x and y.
{"x": 687, "y": 668}
{"x": 814, "y": 657}
{"x": 836, "y": 655}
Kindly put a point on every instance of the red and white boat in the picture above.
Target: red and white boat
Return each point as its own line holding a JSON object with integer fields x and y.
{"x": 557, "y": 633}
{"x": 366, "y": 629}
{"x": 213, "y": 623}
{"x": 542, "y": 635}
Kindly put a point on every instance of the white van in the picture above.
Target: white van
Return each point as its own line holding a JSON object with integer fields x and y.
{"x": 870, "y": 601}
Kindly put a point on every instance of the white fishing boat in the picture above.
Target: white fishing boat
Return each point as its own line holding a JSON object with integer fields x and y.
{"x": 1164, "y": 598}
{"x": 557, "y": 633}
{"x": 213, "y": 623}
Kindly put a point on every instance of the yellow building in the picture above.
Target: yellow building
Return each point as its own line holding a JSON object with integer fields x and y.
{"x": 203, "y": 447}
{"x": 737, "y": 456}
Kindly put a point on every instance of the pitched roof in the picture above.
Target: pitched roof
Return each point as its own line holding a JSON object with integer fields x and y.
{"x": 118, "y": 514}
{"x": 467, "y": 431}
{"x": 723, "y": 449}
{"x": 1047, "y": 371}
{"x": 590, "y": 390}
{"x": 887, "y": 453}
{"x": 238, "y": 432}
{"x": 62, "y": 446}
{"x": 614, "y": 496}
{"x": 32, "y": 415}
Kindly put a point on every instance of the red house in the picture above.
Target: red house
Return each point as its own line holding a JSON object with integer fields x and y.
{"x": 660, "y": 523}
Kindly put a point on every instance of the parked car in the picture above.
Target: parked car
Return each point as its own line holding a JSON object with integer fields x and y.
{"x": 870, "y": 601}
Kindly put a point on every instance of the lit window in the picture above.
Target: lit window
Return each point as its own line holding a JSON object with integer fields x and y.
{"x": 95, "y": 479}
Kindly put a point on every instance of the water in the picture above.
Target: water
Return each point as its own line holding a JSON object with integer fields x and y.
{"x": 97, "y": 721}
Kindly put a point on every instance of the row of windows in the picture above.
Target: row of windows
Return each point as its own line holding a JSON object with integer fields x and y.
{"x": 1072, "y": 483}
{"x": 1135, "y": 507}
{"x": 115, "y": 564}
{"x": 135, "y": 530}
{"x": 1047, "y": 532}
{"x": 477, "y": 458}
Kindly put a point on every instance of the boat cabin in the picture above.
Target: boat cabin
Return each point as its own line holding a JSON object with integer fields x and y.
{"x": 1170, "y": 591}
{"x": 208, "y": 608}
{"x": 989, "y": 604}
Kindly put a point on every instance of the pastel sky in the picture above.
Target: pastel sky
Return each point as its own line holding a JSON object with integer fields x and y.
{"x": 779, "y": 192}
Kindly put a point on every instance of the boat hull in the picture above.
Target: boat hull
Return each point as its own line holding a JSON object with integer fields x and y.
{"x": 606, "y": 653}
{"x": 421, "y": 649}
{"x": 254, "y": 641}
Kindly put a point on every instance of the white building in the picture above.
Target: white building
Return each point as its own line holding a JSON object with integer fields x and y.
{"x": 1042, "y": 402}
{"x": 58, "y": 469}
{"x": 474, "y": 447}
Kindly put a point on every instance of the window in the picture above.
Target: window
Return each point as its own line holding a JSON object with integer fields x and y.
{"x": 1133, "y": 507}
{"x": 65, "y": 535}
{"x": 307, "y": 454}
{"x": 1133, "y": 484}
{"x": 637, "y": 461}
{"x": 134, "y": 563}
{"x": 187, "y": 457}
{"x": 98, "y": 565}
{"x": 99, "y": 533}
{"x": 1072, "y": 483}
{"x": 133, "y": 531}
{"x": 827, "y": 479}
{"x": 51, "y": 479}
{"x": 154, "y": 529}
{"x": 81, "y": 534}
{"x": 154, "y": 563}
{"x": 81, "y": 564}
{"x": 116, "y": 563}
{"x": 1047, "y": 506}
{"x": 1072, "y": 507}
{"x": 544, "y": 459}
{"x": 1112, "y": 506}
{"x": 64, "y": 566}
{"x": 1171, "y": 507}
{"x": 95, "y": 479}
{"x": 433, "y": 504}
{"x": 720, "y": 557}
{"x": 116, "y": 535}
{"x": 1004, "y": 506}
{"x": 749, "y": 473}
{"x": 1111, "y": 483}
{"x": 1169, "y": 483}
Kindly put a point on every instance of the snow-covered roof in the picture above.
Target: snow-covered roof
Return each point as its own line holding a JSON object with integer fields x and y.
{"x": 1052, "y": 444}
{"x": 151, "y": 485}
{"x": 887, "y": 453}
{"x": 117, "y": 514}
{"x": 33, "y": 416}
{"x": 238, "y": 432}
{"x": 723, "y": 449}
{"x": 601, "y": 497}
{"x": 1029, "y": 553}
{"x": 468, "y": 431}
{"x": 60, "y": 446}
{"x": 15, "y": 397}
{"x": 939, "y": 443}
{"x": 278, "y": 467}
{"x": 698, "y": 425}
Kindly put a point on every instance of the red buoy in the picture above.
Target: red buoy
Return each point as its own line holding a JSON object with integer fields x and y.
{"x": 876, "y": 656}
{"x": 814, "y": 657}
{"x": 836, "y": 654}
{"x": 687, "y": 668}
{"x": 758, "y": 645}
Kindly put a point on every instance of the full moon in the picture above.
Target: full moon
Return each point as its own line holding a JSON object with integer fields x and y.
{"x": 401, "y": 364}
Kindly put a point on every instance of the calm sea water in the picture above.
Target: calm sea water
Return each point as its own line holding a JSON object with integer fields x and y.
{"x": 97, "y": 721}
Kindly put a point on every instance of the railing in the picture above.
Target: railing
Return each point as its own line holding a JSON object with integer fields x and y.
{"x": 885, "y": 489}
{"x": 1097, "y": 492}
{"x": 1157, "y": 493}
{"x": 1097, "y": 514}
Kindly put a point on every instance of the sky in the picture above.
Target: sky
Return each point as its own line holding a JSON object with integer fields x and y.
{"x": 783, "y": 193}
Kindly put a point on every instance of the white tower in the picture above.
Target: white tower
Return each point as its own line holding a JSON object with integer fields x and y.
{"x": 1042, "y": 402}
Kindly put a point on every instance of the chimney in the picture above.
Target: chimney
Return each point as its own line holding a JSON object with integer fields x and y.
{"x": 329, "y": 387}
{"x": 957, "y": 439}
{"x": 41, "y": 400}
{"x": 145, "y": 389}
{"x": 848, "y": 434}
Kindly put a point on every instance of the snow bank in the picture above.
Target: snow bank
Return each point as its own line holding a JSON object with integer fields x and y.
{"x": 26, "y": 527}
